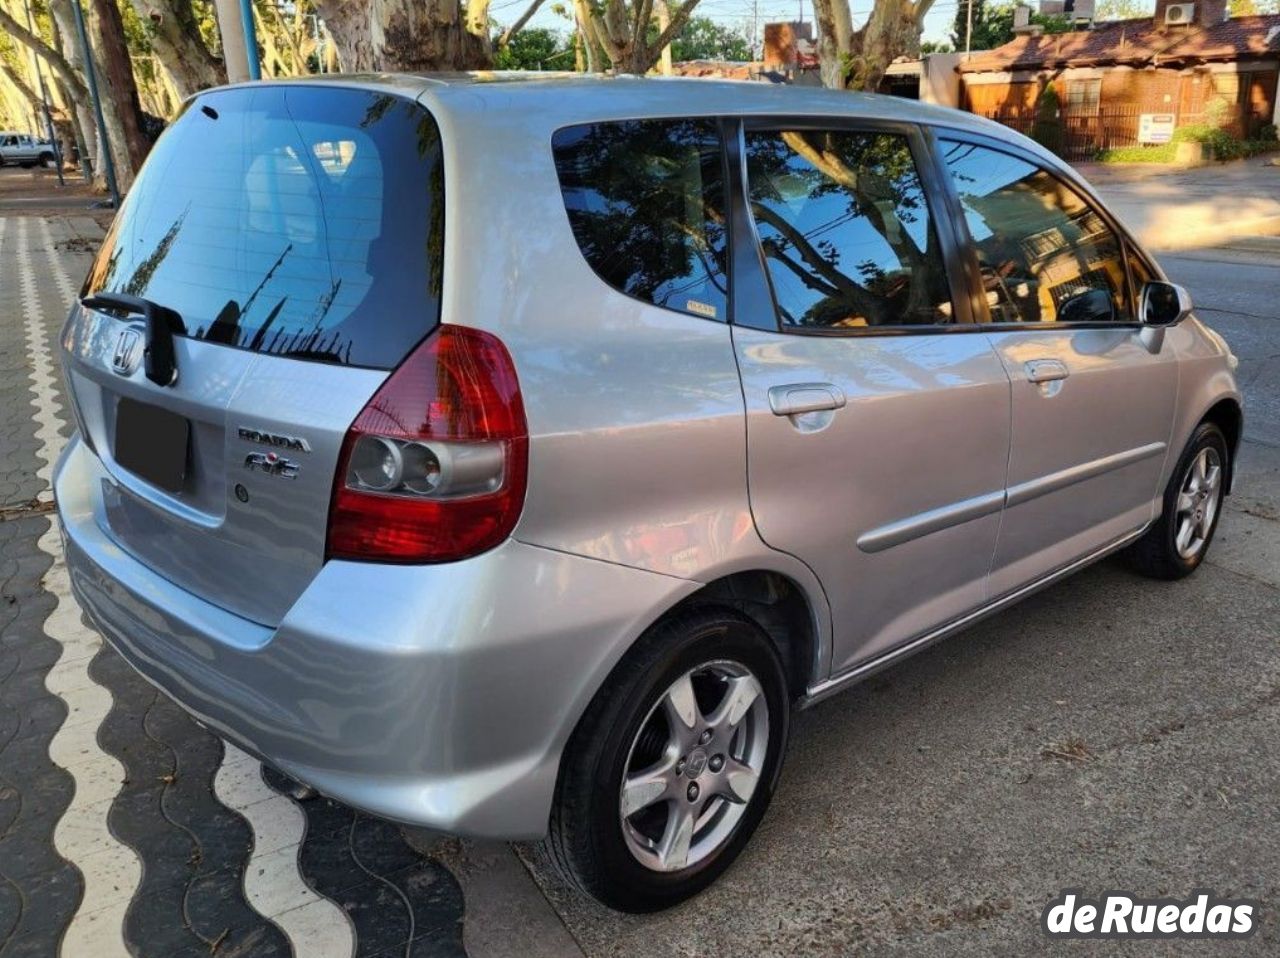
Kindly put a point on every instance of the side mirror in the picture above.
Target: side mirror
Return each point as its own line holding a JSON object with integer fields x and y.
{"x": 1091, "y": 306}
{"x": 1163, "y": 304}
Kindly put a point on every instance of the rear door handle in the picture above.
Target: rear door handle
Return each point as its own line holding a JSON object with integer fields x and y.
{"x": 797, "y": 398}
{"x": 1046, "y": 370}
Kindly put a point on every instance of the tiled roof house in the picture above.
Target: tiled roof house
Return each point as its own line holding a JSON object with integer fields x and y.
{"x": 1191, "y": 62}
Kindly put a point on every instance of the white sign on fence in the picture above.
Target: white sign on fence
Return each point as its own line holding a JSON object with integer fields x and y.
{"x": 1155, "y": 127}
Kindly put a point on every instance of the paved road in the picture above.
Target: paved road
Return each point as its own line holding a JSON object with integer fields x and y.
{"x": 922, "y": 813}
{"x": 1174, "y": 209}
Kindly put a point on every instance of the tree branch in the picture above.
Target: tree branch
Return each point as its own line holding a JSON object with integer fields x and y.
{"x": 45, "y": 52}
{"x": 516, "y": 27}
{"x": 678, "y": 20}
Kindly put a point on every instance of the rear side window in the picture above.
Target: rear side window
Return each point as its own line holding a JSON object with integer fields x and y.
{"x": 1045, "y": 254}
{"x": 845, "y": 229}
{"x": 295, "y": 221}
{"x": 646, "y": 203}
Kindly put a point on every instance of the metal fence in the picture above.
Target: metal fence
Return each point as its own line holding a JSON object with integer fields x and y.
{"x": 1079, "y": 134}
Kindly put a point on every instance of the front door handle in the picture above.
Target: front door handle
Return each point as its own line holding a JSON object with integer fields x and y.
{"x": 798, "y": 398}
{"x": 1046, "y": 370}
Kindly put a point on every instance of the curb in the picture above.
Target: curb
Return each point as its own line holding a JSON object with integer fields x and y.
{"x": 1213, "y": 234}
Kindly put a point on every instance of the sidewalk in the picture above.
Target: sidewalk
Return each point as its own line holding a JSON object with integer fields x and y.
{"x": 1172, "y": 209}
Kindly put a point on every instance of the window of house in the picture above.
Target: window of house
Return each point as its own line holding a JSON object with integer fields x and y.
{"x": 1045, "y": 254}
{"x": 845, "y": 229}
{"x": 1083, "y": 96}
{"x": 1227, "y": 86}
{"x": 646, "y": 203}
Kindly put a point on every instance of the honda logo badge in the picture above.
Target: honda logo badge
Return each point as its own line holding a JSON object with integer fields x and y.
{"x": 125, "y": 359}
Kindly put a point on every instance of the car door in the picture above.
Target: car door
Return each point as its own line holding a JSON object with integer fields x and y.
{"x": 877, "y": 412}
{"x": 1092, "y": 402}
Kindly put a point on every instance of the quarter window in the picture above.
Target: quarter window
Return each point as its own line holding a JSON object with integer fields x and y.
{"x": 845, "y": 229}
{"x": 646, "y": 203}
{"x": 1045, "y": 254}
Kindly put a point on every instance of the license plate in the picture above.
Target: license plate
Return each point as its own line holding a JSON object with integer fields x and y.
{"x": 152, "y": 443}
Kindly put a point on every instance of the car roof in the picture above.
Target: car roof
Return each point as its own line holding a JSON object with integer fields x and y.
{"x": 563, "y": 98}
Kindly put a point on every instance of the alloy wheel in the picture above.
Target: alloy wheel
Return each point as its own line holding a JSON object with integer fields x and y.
{"x": 694, "y": 765}
{"x": 1198, "y": 502}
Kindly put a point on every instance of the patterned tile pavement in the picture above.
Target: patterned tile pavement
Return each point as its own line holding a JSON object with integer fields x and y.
{"x": 125, "y": 828}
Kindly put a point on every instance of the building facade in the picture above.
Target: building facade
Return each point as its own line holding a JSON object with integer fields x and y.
{"x": 1189, "y": 63}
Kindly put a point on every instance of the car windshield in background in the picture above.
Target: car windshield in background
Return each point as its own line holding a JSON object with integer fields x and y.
{"x": 295, "y": 221}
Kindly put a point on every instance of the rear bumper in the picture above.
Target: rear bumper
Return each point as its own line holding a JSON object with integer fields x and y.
{"x": 440, "y": 695}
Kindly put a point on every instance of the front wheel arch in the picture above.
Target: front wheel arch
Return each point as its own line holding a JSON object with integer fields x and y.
{"x": 1227, "y": 415}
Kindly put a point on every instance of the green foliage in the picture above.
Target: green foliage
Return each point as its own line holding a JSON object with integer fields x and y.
{"x": 704, "y": 39}
{"x": 1268, "y": 133}
{"x": 1258, "y": 146}
{"x": 1248, "y": 8}
{"x": 1124, "y": 9}
{"x": 1052, "y": 24}
{"x": 1220, "y": 144}
{"x": 1163, "y": 153}
{"x": 992, "y": 26}
{"x": 535, "y": 48}
{"x": 137, "y": 33}
{"x": 1047, "y": 128}
{"x": 935, "y": 46}
{"x": 1217, "y": 110}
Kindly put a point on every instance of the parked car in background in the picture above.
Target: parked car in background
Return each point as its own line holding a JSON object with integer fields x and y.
{"x": 22, "y": 149}
{"x": 509, "y": 458}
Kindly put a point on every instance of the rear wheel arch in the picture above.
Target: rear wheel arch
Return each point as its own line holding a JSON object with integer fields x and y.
{"x": 779, "y": 605}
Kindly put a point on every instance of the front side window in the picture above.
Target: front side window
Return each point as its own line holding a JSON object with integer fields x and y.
{"x": 845, "y": 229}
{"x": 1045, "y": 254}
{"x": 645, "y": 200}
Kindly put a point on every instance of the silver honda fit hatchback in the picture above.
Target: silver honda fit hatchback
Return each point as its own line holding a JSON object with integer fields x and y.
{"x": 509, "y": 458}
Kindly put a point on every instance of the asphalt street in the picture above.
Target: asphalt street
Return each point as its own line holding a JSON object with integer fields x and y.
{"x": 1110, "y": 733}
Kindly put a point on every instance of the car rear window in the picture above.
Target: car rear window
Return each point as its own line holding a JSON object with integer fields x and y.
{"x": 646, "y": 203}
{"x": 296, "y": 221}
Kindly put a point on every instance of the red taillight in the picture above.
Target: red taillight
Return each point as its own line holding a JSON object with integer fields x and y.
{"x": 433, "y": 469}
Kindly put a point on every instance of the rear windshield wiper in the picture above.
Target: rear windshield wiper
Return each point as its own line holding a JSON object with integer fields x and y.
{"x": 159, "y": 359}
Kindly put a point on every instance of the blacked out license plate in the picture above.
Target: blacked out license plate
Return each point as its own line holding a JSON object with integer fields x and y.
{"x": 152, "y": 443}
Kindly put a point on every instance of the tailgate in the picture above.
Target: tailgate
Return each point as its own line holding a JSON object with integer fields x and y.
{"x": 296, "y": 233}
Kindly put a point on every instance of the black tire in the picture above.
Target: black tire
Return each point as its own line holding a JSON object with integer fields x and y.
{"x": 1156, "y": 554}
{"x": 47, "y": 160}
{"x": 586, "y": 841}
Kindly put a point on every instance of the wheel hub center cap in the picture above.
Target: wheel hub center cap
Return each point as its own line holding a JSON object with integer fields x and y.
{"x": 696, "y": 763}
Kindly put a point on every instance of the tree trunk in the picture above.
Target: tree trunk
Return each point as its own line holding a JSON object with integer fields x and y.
{"x": 409, "y": 36}
{"x": 86, "y": 128}
{"x": 621, "y": 30}
{"x": 664, "y": 21}
{"x": 176, "y": 39}
{"x": 857, "y": 59}
{"x": 129, "y": 145}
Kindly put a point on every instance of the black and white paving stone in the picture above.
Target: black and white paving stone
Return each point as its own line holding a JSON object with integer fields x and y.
{"x": 125, "y": 828}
